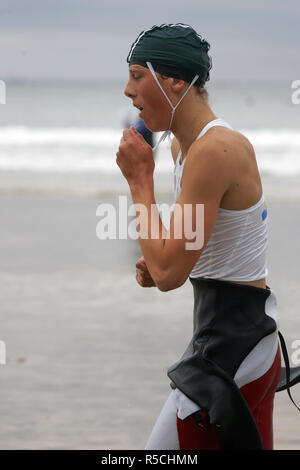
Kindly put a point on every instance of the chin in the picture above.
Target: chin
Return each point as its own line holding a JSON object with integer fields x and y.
{"x": 154, "y": 128}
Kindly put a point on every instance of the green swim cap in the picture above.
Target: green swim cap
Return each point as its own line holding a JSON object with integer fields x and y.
{"x": 174, "y": 50}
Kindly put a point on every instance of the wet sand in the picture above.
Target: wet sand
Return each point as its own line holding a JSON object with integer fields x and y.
{"x": 87, "y": 348}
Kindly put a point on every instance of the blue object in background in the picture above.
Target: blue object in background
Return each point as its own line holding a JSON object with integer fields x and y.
{"x": 145, "y": 132}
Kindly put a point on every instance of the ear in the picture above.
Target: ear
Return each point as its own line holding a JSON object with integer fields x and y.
{"x": 178, "y": 85}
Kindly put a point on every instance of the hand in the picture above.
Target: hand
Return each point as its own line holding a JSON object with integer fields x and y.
{"x": 135, "y": 157}
{"x": 143, "y": 276}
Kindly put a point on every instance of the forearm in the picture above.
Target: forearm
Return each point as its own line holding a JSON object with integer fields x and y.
{"x": 135, "y": 159}
{"x": 152, "y": 233}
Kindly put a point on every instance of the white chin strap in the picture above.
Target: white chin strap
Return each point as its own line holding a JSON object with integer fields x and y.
{"x": 168, "y": 132}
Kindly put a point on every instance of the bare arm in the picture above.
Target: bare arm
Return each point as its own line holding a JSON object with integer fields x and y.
{"x": 143, "y": 275}
{"x": 204, "y": 181}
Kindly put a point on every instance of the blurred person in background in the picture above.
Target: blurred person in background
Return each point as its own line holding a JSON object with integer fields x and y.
{"x": 139, "y": 125}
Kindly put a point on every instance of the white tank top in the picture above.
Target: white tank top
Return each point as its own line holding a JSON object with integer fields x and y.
{"x": 236, "y": 251}
{"x": 237, "y": 248}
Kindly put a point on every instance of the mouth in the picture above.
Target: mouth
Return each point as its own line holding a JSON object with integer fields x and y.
{"x": 138, "y": 107}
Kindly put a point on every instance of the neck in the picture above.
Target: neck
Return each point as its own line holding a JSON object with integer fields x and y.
{"x": 189, "y": 121}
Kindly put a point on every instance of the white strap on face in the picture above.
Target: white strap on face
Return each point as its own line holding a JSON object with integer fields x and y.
{"x": 168, "y": 132}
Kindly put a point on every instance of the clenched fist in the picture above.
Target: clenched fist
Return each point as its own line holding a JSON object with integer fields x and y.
{"x": 135, "y": 157}
{"x": 143, "y": 276}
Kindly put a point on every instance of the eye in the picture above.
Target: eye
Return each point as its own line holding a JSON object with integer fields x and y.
{"x": 135, "y": 77}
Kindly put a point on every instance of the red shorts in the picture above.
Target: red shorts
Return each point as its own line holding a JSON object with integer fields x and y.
{"x": 259, "y": 395}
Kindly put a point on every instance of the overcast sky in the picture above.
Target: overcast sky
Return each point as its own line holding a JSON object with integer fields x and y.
{"x": 90, "y": 39}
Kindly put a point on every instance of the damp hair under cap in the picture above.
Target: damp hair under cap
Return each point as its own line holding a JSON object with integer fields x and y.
{"x": 174, "y": 50}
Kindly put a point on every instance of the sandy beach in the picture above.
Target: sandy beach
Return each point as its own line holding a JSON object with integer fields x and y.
{"x": 87, "y": 349}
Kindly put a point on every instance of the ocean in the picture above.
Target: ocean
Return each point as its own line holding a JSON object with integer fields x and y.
{"x": 63, "y": 137}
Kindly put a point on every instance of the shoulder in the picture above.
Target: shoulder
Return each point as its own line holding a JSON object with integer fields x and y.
{"x": 221, "y": 140}
{"x": 221, "y": 154}
{"x": 216, "y": 163}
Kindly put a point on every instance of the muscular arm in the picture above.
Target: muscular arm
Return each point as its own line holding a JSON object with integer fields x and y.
{"x": 204, "y": 181}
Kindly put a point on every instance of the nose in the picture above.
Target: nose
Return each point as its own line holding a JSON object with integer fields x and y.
{"x": 129, "y": 91}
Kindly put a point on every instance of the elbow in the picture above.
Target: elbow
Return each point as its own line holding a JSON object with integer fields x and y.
{"x": 167, "y": 276}
{"x": 166, "y": 282}
{"x": 164, "y": 287}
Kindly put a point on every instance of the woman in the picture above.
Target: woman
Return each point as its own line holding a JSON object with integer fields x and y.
{"x": 224, "y": 384}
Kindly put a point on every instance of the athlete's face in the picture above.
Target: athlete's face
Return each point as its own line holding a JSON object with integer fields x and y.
{"x": 145, "y": 94}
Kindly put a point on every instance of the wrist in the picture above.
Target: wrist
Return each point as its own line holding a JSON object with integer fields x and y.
{"x": 142, "y": 184}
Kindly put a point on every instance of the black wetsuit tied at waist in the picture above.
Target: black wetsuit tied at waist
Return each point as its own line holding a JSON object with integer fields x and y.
{"x": 229, "y": 321}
